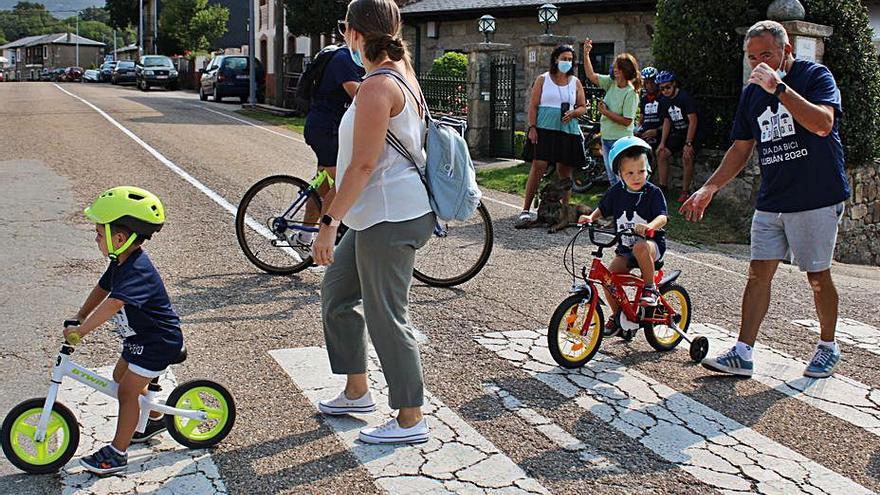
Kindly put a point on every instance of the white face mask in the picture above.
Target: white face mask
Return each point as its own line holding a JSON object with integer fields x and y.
{"x": 781, "y": 72}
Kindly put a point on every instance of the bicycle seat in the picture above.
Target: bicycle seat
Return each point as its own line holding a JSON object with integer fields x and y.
{"x": 181, "y": 356}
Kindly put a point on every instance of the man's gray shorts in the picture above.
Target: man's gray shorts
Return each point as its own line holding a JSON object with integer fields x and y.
{"x": 807, "y": 238}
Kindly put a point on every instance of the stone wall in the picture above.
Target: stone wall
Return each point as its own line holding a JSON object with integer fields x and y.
{"x": 859, "y": 237}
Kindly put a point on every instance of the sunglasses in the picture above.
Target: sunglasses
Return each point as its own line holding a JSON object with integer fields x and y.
{"x": 341, "y": 26}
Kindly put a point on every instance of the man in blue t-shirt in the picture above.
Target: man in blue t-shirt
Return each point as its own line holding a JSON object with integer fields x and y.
{"x": 332, "y": 97}
{"x": 680, "y": 114}
{"x": 650, "y": 122}
{"x": 791, "y": 110}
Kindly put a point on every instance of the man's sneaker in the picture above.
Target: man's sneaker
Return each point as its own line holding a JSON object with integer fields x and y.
{"x": 524, "y": 218}
{"x": 153, "y": 428}
{"x": 650, "y": 297}
{"x": 391, "y": 432}
{"x": 105, "y": 461}
{"x": 343, "y": 405}
{"x": 730, "y": 363}
{"x": 301, "y": 242}
{"x": 823, "y": 363}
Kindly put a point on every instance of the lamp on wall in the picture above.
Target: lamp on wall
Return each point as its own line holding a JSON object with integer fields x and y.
{"x": 548, "y": 14}
{"x": 486, "y": 25}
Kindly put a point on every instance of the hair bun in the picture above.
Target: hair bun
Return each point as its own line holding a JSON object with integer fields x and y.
{"x": 394, "y": 47}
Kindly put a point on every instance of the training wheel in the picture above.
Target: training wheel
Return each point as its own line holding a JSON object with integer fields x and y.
{"x": 699, "y": 349}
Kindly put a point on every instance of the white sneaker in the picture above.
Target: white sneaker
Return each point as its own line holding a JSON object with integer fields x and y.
{"x": 343, "y": 405}
{"x": 391, "y": 432}
{"x": 301, "y": 243}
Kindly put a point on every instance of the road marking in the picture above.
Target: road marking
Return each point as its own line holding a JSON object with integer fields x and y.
{"x": 456, "y": 458}
{"x": 845, "y": 398}
{"x": 713, "y": 448}
{"x": 158, "y": 466}
{"x": 852, "y": 332}
{"x": 261, "y": 127}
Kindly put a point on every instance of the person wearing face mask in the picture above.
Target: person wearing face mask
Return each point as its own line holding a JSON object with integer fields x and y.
{"x": 621, "y": 102}
{"x": 791, "y": 111}
{"x": 554, "y": 135}
{"x": 381, "y": 198}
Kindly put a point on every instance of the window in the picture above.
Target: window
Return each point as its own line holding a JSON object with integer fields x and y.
{"x": 602, "y": 56}
{"x": 45, "y": 51}
{"x": 236, "y": 64}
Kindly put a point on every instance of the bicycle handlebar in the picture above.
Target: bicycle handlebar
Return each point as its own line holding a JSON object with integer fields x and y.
{"x": 617, "y": 234}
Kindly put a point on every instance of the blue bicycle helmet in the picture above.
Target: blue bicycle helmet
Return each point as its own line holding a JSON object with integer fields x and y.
{"x": 649, "y": 72}
{"x": 626, "y": 143}
{"x": 665, "y": 77}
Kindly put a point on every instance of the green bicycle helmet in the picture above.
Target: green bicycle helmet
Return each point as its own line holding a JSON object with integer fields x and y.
{"x": 136, "y": 209}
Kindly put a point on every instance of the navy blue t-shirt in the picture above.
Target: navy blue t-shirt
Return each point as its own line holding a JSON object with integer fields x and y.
{"x": 650, "y": 108}
{"x": 629, "y": 208}
{"x": 330, "y": 100}
{"x": 800, "y": 170}
{"x": 677, "y": 110}
{"x": 147, "y": 323}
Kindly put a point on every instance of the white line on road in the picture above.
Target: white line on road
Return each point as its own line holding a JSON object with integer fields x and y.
{"x": 713, "y": 448}
{"x": 848, "y": 399}
{"x": 159, "y": 466}
{"x": 852, "y": 332}
{"x": 456, "y": 458}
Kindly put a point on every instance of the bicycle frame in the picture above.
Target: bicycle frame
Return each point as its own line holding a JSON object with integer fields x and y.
{"x": 616, "y": 284}
{"x": 65, "y": 367}
{"x": 319, "y": 179}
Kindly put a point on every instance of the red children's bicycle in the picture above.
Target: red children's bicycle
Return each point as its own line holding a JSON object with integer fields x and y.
{"x": 578, "y": 324}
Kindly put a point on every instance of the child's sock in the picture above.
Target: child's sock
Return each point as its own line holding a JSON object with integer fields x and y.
{"x": 123, "y": 454}
{"x": 157, "y": 418}
{"x": 744, "y": 350}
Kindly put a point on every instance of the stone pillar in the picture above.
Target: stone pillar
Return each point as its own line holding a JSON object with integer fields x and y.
{"x": 480, "y": 57}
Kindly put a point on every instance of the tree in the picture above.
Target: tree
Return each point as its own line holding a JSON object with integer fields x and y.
{"x": 123, "y": 13}
{"x": 451, "y": 64}
{"x": 28, "y": 19}
{"x": 852, "y": 59}
{"x": 95, "y": 14}
{"x": 312, "y": 17}
{"x": 190, "y": 25}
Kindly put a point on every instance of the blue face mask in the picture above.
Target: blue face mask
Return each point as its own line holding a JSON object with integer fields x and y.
{"x": 356, "y": 57}
{"x": 564, "y": 66}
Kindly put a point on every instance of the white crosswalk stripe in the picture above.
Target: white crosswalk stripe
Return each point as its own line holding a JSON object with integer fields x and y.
{"x": 158, "y": 466}
{"x": 456, "y": 458}
{"x": 852, "y": 332}
{"x": 715, "y": 449}
{"x": 848, "y": 399}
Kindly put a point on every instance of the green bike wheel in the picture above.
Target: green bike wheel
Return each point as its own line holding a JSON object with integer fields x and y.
{"x": 48, "y": 456}
{"x": 201, "y": 395}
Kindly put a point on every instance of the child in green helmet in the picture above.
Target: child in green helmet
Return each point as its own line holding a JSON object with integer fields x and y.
{"x": 132, "y": 296}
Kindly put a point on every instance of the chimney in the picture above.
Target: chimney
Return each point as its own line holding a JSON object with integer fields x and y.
{"x": 69, "y": 38}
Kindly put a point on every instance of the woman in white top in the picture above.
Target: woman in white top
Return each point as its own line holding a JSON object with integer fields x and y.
{"x": 381, "y": 198}
{"x": 554, "y": 135}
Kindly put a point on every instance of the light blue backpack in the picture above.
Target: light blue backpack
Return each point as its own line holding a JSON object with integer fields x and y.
{"x": 449, "y": 174}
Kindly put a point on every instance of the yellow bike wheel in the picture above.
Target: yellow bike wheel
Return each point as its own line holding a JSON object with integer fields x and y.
{"x": 662, "y": 337}
{"x": 568, "y": 346}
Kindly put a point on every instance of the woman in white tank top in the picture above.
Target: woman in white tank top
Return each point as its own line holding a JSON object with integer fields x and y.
{"x": 380, "y": 196}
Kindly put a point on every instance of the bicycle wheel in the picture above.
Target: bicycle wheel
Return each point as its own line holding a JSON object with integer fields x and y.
{"x": 265, "y": 227}
{"x": 661, "y": 337}
{"x": 25, "y": 453}
{"x": 201, "y": 395}
{"x": 569, "y": 348}
{"x": 456, "y": 252}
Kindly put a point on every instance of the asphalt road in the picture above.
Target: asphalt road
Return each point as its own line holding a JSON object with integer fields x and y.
{"x": 61, "y": 145}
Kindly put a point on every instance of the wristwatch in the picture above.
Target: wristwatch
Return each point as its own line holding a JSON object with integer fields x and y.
{"x": 780, "y": 88}
{"x": 689, "y": 143}
{"x": 330, "y": 221}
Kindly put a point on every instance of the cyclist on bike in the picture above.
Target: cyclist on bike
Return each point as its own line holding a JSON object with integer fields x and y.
{"x": 132, "y": 295}
{"x": 333, "y": 95}
{"x": 650, "y": 121}
{"x": 634, "y": 203}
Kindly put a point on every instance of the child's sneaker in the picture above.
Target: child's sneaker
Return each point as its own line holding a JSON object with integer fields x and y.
{"x": 731, "y": 363}
{"x": 391, "y": 432}
{"x": 343, "y": 405}
{"x": 105, "y": 461}
{"x": 825, "y": 359}
{"x": 153, "y": 428}
{"x": 610, "y": 327}
{"x": 650, "y": 296}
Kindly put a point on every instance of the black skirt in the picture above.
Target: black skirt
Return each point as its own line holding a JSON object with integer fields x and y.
{"x": 556, "y": 147}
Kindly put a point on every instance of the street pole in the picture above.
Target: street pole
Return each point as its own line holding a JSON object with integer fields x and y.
{"x": 278, "y": 61}
{"x": 77, "y": 38}
{"x": 252, "y": 70}
{"x": 114, "y": 45}
{"x": 141, "y": 30}
{"x": 155, "y": 5}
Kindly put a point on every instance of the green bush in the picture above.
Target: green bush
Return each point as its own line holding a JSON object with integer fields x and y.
{"x": 451, "y": 64}
{"x": 851, "y": 57}
{"x": 519, "y": 141}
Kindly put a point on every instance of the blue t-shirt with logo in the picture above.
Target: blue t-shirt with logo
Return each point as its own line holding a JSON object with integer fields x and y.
{"x": 148, "y": 325}
{"x": 650, "y": 109}
{"x": 633, "y": 207}
{"x": 677, "y": 110}
{"x": 330, "y": 100}
{"x": 800, "y": 170}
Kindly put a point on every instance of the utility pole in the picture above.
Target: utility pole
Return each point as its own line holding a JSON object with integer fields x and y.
{"x": 279, "y": 53}
{"x": 252, "y": 71}
{"x": 114, "y": 45}
{"x": 141, "y": 30}
{"x": 155, "y": 4}
{"x": 77, "y": 38}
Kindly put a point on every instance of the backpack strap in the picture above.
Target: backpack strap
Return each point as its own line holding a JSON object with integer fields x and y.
{"x": 420, "y": 99}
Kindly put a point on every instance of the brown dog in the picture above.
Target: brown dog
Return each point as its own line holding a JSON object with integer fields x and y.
{"x": 552, "y": 212}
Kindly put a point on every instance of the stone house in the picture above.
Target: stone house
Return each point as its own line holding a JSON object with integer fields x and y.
{"x": 30, "y": 55}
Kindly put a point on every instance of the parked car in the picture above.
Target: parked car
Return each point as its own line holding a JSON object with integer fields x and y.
{"x": 46, "y": 75}
{"x": 155, "y": 70}
{"x": 107, "y": 71}
{"x": 123, "y": 72}
{"x": 2, "y": 77}
{"x": 73, "y": 74}
{"x": 91, "y": 75}
{"x": 228, "y": 75}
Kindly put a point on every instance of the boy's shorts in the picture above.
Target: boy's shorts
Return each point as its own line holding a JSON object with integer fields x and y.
{"x": 632, "y": 262}
{"x": 146, "y": 360}
{"x": 805, "y": 237}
